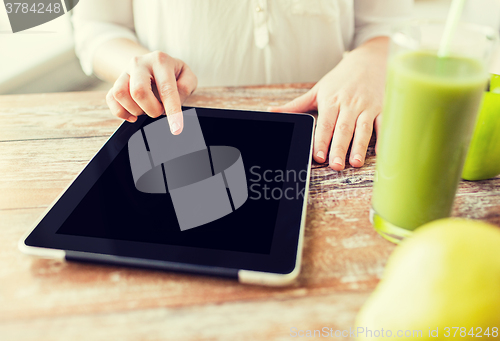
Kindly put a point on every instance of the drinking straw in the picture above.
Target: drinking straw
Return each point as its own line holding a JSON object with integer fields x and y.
{"x": 456, "y": 9}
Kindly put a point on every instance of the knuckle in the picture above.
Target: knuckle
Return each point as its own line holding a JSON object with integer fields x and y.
{"x": 172, "y": 110}
{"x": 137, "y": 60}
{"x": 167, "y": 90}
{"x": 365, "y": 127}
{"x": 109, "y": 96}
{"x": 343, "y": 127}
{"x": 184, "y": 89}
{"x": 339, "y": 150}
{"x": 360, "y": 146}
{"x": 350, "y": 100}
{"x": 345, "y": 96}
{"x": 160, "y": 57}
{"x": 138, "y": 93}
{"x": 322, "y": 144}
{"x": 120, "y": 94}
{"x": 327, "y": 125}
{"x": 332, "y": 101}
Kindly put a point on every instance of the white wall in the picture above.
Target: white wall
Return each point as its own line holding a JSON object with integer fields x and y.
{"x": 40, "y": 59}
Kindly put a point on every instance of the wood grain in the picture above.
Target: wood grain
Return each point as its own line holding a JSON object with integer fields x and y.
{"x": 244, "y": 320}
{"x": 47, "y": 139}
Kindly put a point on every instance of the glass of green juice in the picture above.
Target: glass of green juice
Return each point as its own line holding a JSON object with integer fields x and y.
{"x": 429, "y": 113}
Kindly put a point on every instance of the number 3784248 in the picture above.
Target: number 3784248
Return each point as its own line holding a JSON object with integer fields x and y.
{"x": 472, "y": 332}
{"x": 38, "y": 8}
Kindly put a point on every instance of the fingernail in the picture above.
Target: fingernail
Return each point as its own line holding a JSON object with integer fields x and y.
{"x": 175, "y": 127}
{"x": 132, "y": 119}
{"x": 358, "y": 157}
{"x": 338, "y": 161}
{"x": 175, "y": 122}
{"x": 321, "y": 155}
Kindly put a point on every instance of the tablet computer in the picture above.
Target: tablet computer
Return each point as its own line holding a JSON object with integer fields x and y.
{"x": 226, "y": 197}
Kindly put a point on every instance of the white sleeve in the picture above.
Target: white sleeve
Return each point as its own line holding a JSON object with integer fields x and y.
{"x": 98, "y": 21}
{"x": 377, "y": 17}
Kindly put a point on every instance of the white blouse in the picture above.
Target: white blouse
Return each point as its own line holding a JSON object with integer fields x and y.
{"x": 240, "y": 42}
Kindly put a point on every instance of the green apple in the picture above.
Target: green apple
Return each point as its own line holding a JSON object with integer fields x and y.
{"x": 483, "y": 158}
{"x": 446, "y": 275}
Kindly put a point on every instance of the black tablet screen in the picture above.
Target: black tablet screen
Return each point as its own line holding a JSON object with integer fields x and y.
{"x": 114, "y": 209}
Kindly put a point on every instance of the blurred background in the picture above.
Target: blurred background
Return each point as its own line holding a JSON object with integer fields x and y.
{"x": 42, "y": 59}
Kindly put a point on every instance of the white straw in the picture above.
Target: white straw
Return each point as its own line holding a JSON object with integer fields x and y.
{"x": 457, "y": 7}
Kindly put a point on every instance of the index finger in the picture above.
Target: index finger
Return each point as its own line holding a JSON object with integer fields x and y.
{"x": 166, "y": 83}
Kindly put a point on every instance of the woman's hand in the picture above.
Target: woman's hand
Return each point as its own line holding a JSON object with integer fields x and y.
{"x": 349, "y": 101}
{"x": 133, "y": 93}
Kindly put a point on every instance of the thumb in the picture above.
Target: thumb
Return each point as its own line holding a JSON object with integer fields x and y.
{"x": 304, "y": 103}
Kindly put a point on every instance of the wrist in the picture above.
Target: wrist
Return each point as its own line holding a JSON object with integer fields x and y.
{"x": 113, "y": 58}
{"x": 375, "y": 49}
{"x": 376, "y": 44}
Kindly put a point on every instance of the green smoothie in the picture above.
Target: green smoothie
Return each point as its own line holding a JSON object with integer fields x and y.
{"x": 429, "y": 113}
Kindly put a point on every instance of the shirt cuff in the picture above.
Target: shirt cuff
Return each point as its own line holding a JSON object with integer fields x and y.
{"x": 91, "y": 35}
{"x": 366, "y": 33}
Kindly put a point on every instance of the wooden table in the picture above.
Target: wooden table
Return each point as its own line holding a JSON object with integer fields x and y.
{"x": 46, "y": 140}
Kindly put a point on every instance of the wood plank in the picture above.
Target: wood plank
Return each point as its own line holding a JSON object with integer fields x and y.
{"x": 261, "y": 320}
{"x": 77, "y": 114}
{"x": 55, "y": 115}
{"x": 36, "y": 171}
